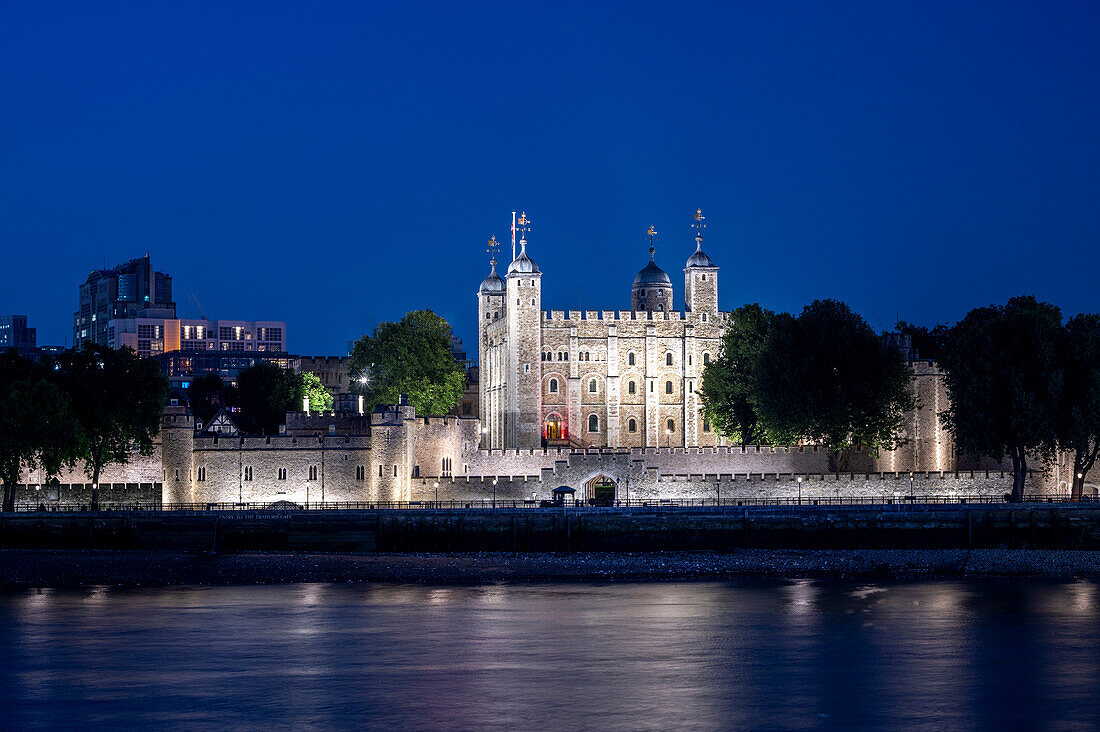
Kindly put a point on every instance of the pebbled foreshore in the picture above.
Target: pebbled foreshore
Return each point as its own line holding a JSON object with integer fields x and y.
{"x": 74, "y": 568}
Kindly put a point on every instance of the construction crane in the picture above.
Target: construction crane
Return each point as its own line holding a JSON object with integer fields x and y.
{"x": 199, "y": 306}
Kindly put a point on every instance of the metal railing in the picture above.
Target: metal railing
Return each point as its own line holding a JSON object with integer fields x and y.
{"x": 508, "y": 504}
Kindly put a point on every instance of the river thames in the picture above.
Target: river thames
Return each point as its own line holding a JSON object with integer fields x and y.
{"x": 747, "y": 655}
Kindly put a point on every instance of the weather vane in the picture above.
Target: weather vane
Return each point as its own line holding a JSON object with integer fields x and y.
{"x": 700, "y": 223}
{"x": 493, "y": 246}
{"x": 524, "y": 225}
{"x": 651, "y": 234}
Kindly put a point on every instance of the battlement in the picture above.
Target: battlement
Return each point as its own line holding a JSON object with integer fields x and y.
{"x": 282, "y": 442}
{"x": 561, "y": 316}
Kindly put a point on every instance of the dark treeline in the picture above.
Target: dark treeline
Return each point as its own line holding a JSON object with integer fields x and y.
{"x": 1022, "y": 382}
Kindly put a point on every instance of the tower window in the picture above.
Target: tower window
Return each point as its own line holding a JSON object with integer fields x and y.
{"x": 630, "y": 358}
{"x": 593, "y": 423}
{"x": 706, "y": 359}
{"x": 706, "y": 425}
{"x": 668, "y": 359}
{"x": 704, "y": 277}
{"x": 689, "y": 359}
{"x": 670, "y": 425}
{"x": 632, "y": 426}
{"x": 630, "y": 387}
{"x": 553, "y": 386}
{"x": 704, "y": 317}
{"x": 592, "y": 386}
{"x": 668, "y": 387}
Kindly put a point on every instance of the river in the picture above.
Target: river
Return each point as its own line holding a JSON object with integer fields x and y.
{"x": 990, "y": 655}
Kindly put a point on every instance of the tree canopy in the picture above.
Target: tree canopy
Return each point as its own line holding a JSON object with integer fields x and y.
{"x": 828, "y": 378}
{"x": 117, "y": 400}
{"x": 728, "y": 381}
{"x": 36, "y": 425}
{"x": 266, "y": 393}
{"x": 1005, "y": 378}
{"x": 411, "y": 357}
{"x": 320, "y": 400}
{"x": 1079, "y": 416}
{"x": 824, "y": 376}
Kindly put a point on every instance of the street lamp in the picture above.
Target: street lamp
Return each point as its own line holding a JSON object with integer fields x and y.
{"x": 494, "y": 492}
{"x": 1080, "y": 486}
{"x": 910, "y": 485}
{"x": 800, "y": 490}
{"x": 437, "y": 494}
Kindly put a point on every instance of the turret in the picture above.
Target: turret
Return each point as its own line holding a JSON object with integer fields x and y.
{"x": 523, "y": 312}
{"x": 652, "y": 289}
{"x": 700, "y": 276}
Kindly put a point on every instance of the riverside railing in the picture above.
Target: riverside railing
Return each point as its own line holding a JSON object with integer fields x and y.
{"x": 570, "y": 504}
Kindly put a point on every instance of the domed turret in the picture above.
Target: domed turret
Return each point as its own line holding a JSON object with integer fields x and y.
{"x": 493, "y": 284}
{"x": 523, "y": 264}
{"x": 699, "y": 258}
{"x": 652, "y": 288}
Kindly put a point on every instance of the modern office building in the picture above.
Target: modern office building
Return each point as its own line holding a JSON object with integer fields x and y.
{"x": 14, "y": 333}
{"x": 149, "y": 336}
{"x": 125, "y": 291}
{"x": 183, "y": 367}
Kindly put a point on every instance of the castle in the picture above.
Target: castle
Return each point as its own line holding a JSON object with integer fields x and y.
{"x": 605, "y": 402}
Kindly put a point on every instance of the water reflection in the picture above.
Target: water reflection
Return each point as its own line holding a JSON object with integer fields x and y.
{"x": 780, "y": 655}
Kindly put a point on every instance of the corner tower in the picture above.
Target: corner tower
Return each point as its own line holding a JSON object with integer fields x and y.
{"x": 490, "y": 314}
{"x": 523, "y": 349}
{"x": 700, "y": 275}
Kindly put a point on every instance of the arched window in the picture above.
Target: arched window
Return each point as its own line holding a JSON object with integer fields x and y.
{"x": 553, "y": 386}
{"x": 689, "y": 359}
{"x": 706, "y": 425}
{"x": 586, "y": 355}
{"x": 632, "y": 426}
{"x": 668, "y": 359}
{"x": 706, "y": 358}
{"x": 630, "y": 387}
{"x": 671, "y": 425}
{"x": 630, "y": 358}
{"x": 593, "y": 423}
{"x": 591, "y": 386}
{"x": 704, "y": 277}
{"x": 668, "y": 387}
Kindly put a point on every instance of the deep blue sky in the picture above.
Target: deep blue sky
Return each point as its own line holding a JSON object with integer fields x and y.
{"x": 335, "y": 165}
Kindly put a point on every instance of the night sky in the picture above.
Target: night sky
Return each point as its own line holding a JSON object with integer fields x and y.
{"x": 335, "y": 165}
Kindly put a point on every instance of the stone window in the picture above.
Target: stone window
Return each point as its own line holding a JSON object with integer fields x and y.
{"x": 395, "y": 470}
{"x": 379, "y": 470}
{"x": 706, "y": 425}
{"x": 704, "y": 317}
{"x": 651, "y": 387}
{"x": 360, "y": 472}
{"x": 177, "y": 473}
{"x": 553, "y": 386}
{"x": 488, "y": 315}
{"x": 630, "y": 358}
{"x": 202, "y": 473}
{"x": 446, "y": 468}
{"x": 526, "y": 368}
{"x": 281, "y": 474}
{"x": 671, "y": 425}
{"x": 532, "y": 301}
{"x": 689, "y": 359}
{"x": 668, "y": 359}
{"x": 593, "y": 423}
{"x": 632, "y": 426}
{"x": 591, "y": 386}
{"x": 630, "y": 387}
{"x": 704, "y": 278}
{"x": 312, "y": 472}
{"x": 248, "y": 472}
{"x": 668, "y": 387}
{"x": 706, "y": 359}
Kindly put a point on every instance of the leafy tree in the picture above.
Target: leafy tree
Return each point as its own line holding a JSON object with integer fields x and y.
{"x": 827, "y": 377}
{"x": 727, "y": 388}
{"x": 266, "y": 393}
{"x": 928, "y": 343}
{"x": 206, "y": 395}
{"x": 1079, "y": 430}
{"x": 320, "y": 399}
{"x": 1003, "y": 373}
{"x": 117, "y": 401}
{"x": 411, "y": 357}
{"x": 36, "y": 425}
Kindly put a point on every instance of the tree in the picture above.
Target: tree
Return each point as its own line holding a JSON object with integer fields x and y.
{"x": 266, "y": 393}
{"x": 1079, "y": 427}
{"x": 827, "y": 377}
{"x": 727, "y": 388}
{"x": 36, "y": 425}
{"x": 117, "y": 401}
{"x": 320, "y": 399}
{"x": 411, "y": 357}
{"x": 206, "y": 395}
{"x": 1004, "y": 375}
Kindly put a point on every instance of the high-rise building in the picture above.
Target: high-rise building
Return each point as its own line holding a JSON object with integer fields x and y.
{"x": 149, "y": 336}
{"x": 14, "y": 333}
{"x": 122, "y": 292}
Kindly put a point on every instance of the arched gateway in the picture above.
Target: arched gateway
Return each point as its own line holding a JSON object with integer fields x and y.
{"x": 601, "y": 489}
